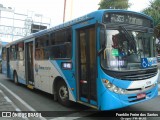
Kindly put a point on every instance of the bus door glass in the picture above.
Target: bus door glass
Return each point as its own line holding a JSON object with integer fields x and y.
{"x": 8, "y": 62}
{"x": 87, "y": 65}
{"x": 29, "y": 62}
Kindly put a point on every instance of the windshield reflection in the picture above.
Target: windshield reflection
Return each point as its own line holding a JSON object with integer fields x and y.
{"x": 125, "y": 49}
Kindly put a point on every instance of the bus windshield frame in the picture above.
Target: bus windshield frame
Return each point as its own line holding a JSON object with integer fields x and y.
{"x": 127, "y": 48}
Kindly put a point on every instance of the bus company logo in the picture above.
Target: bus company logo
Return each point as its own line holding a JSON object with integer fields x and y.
{"x": 36, "y": 67}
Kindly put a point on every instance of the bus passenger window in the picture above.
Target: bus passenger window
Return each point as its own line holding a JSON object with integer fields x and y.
{"x": 60, "y": 37}
{"x": 41, "y": 53}
{"x": 46, "y": 53}
{"x": 60, "y": 45}
{"x": 41, "y": 43}
{"x": 13, "y": 52}
{"x": 37, "y": 54}
{"x": 4, "y": 54}
{"x": 68, "y": 35}
{"x": 20, "y": 51}
{"x": 52, "y": 38}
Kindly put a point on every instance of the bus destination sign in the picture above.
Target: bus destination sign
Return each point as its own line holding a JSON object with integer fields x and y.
{"x": 125, "y": 18}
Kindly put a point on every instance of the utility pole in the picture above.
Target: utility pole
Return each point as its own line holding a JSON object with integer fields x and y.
{"x": 64, "y": 12}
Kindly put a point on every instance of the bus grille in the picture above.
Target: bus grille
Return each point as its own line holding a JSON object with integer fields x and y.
{"x": 133, "y": 75}
{"x": 139, "y": 76}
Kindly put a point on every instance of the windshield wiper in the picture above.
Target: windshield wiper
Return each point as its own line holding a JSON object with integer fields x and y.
{"x": 128, "y": 37}
{"x": 101, "y": 50}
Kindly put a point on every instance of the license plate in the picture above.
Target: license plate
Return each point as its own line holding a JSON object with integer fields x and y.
{"x": 141, "y": 95}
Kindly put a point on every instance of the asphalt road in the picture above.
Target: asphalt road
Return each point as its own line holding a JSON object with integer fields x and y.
{"x": 30, "y": 100}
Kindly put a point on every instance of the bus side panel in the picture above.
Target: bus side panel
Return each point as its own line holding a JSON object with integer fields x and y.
{"x": 20, "y": 69}
{"x": 68, "y": 76}
{"x": 44, "y": 75}
{"x": 47, "y": 71}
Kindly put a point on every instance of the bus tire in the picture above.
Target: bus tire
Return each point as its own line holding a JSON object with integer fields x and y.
{"x": 63, "y": 94}
{"x": 15, "y": 77}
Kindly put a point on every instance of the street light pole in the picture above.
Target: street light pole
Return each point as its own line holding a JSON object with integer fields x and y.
{"x": 64, "y": 12}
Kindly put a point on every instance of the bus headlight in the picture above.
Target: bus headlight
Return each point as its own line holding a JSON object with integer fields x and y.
{"x": 113, "y": 88}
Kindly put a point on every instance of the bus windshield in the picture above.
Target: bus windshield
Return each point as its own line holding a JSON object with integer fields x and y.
{"x": 126, "y": 50}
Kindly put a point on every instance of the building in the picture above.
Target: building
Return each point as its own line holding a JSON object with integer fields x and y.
{"x": 17, "y": 24}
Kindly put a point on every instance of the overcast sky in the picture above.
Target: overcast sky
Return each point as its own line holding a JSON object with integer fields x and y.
{"x": 54, "y": 8}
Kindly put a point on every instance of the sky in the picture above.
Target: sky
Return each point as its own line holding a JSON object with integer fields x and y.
{"x": 52, "y": 11}
{"x": 54, "y": 8}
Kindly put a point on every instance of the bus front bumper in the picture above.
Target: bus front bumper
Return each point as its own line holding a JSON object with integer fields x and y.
{"x": 111, "y": 100}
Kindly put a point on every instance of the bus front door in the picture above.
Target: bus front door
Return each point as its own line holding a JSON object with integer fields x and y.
{"x": 29, "y": 64}
{"x": 8, "y": 63}
{"x": 87, "y": 71}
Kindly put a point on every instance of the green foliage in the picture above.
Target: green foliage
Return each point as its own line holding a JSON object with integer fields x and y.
{"x": 154, "y": 11}
{"x": 157, "y": 31}
{"x": 114, "y": 4}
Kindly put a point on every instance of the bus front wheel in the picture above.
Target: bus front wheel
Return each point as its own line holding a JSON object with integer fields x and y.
{"x": 63, "y": 94}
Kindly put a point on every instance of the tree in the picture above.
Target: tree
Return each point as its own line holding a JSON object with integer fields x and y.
{"x": 114, "y": 4}
{"x": 154, "y": 11}
{"x": 157, "y": 31}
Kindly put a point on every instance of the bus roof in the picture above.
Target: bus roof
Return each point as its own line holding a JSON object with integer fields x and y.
{"x": 96, "y": 14}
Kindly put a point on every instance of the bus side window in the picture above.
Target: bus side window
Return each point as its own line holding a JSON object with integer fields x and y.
{"x": 41, "y": 53}
{"x": 41, "y": 43}
{"x": 52, "y": 38}
{"x": 20, "y": 51}
{"x": 60, "y": 37}
{"x": 13, "y": 52}
{"x": 37, "y": 54}
{"x": 60, "y": 44}
{"x": 4, "y": 54}
{"x": 68, "y": 35}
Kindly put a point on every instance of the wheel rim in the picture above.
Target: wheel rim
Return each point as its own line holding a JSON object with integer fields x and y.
{"x": 63, "y": 93}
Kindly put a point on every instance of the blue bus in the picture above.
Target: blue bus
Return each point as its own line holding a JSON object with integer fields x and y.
{"x": 105, "y": 60}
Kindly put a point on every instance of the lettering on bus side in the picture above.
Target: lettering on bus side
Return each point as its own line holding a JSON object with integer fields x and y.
{"x": 44, "y": 68}
{"x": 39, "y": 67}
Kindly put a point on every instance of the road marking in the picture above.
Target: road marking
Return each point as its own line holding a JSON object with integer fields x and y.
{"x": 7, "y": 99}
{"x": 20, "y": 100}
{"x": 12, "y": 103}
